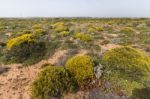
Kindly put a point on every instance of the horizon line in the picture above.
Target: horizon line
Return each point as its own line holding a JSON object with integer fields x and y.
{"x": 28, "y": 17}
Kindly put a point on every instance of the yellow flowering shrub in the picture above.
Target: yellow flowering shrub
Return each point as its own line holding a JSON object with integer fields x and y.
{"x": 128, "y": 62}
{"x": 95, "y": 29}
{"x": 127, "y": 30}
{"x": 37, "y": 26}
{"x": 58, "y": 24}
{"x": 61, "y": 28}
{"x": 18, "y": 40}
{"x": 26, "y": 49}
{"x": 64, "y": 33}
{"x": 81, "y": 67}
{"x": 126, "y": 68}
{"x": 99, "y": 28}
{"x": 83, "y": 37}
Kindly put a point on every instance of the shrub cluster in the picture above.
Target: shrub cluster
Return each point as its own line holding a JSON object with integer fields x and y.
{"x": 23, "y": 48}
{"x": 52, "y": 82}
{"x": 19, "y": 40}
{"x": 56, "y": 81}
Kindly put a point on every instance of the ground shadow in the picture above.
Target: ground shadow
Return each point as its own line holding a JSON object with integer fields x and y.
{"x": 3, "y": 69}
{"x": 141, "y": 93}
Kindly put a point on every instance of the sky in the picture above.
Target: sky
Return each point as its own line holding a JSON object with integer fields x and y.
{"x": 75, "y": 8}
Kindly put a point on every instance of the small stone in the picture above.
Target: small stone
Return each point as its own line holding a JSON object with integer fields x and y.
{"x": 98, "y": 71}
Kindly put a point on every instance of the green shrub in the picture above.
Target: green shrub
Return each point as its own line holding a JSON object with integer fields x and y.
{"x": 38, "y": 33}
{"x": 95, "y": 29}
{"x": 1, "y": 53}
{"x": 84, "y": 37}
{"x": 91, "y": 30}
{"x": 37, "y": 26}
{"x": 24, "y": 48}
{"x": 27, "y": 31}
{"x": 18, "y": 40}
{"x": 127, "y": 30}
{"x": 110, "y": 22}
{"x": 142, "y": 93}
{"x": 58, "y": 24}
{"x": 119, "y": 84}
{"x": 99, "y": 28}
{"x": 60, "y": 29}
{"x": 81, "y": 67}
{"x": 126, "y": 69}
{"x": 52, "y": 82}
{"x": 64, "y": 33}
{"x": 128, "y": 62}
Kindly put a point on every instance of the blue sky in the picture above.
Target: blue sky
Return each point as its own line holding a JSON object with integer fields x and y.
{"x": 74, "y": 8}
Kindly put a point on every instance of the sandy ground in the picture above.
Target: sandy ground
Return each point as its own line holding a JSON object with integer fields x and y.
{"x": 15, "y": 83}
{"x": 110, "y": 46}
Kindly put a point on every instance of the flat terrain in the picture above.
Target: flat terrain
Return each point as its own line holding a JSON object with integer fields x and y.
{"x": 63, "y": 41}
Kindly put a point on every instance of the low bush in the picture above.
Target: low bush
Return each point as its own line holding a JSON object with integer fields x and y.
{"x": 81, "y": 67}
{"x": 24, "y": 48}
{"x": 129, "y": 63}
{"x": 110, "y": 22}
{"x": 58, "y": 24}
{"x": 1, "y": 53}
{"x": 84, "y": 37}
{"x": 40, "y": 32}
{"x": 126, "y": 69}
{"x": 95, "y": 29}
{"x": 127, "y": 30}
{"x": 52, "y": 82}
{"x": 41, "y": 35}
{"x": 64, "y": 33}
{"x": 27, "y": 31}
{"x": 99, "y": 28}
{"x": 37, "y": 26}
{"x": 92, "y": 30}
{"x": 60, "y": 29}
{"x": 18, "y": 40}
